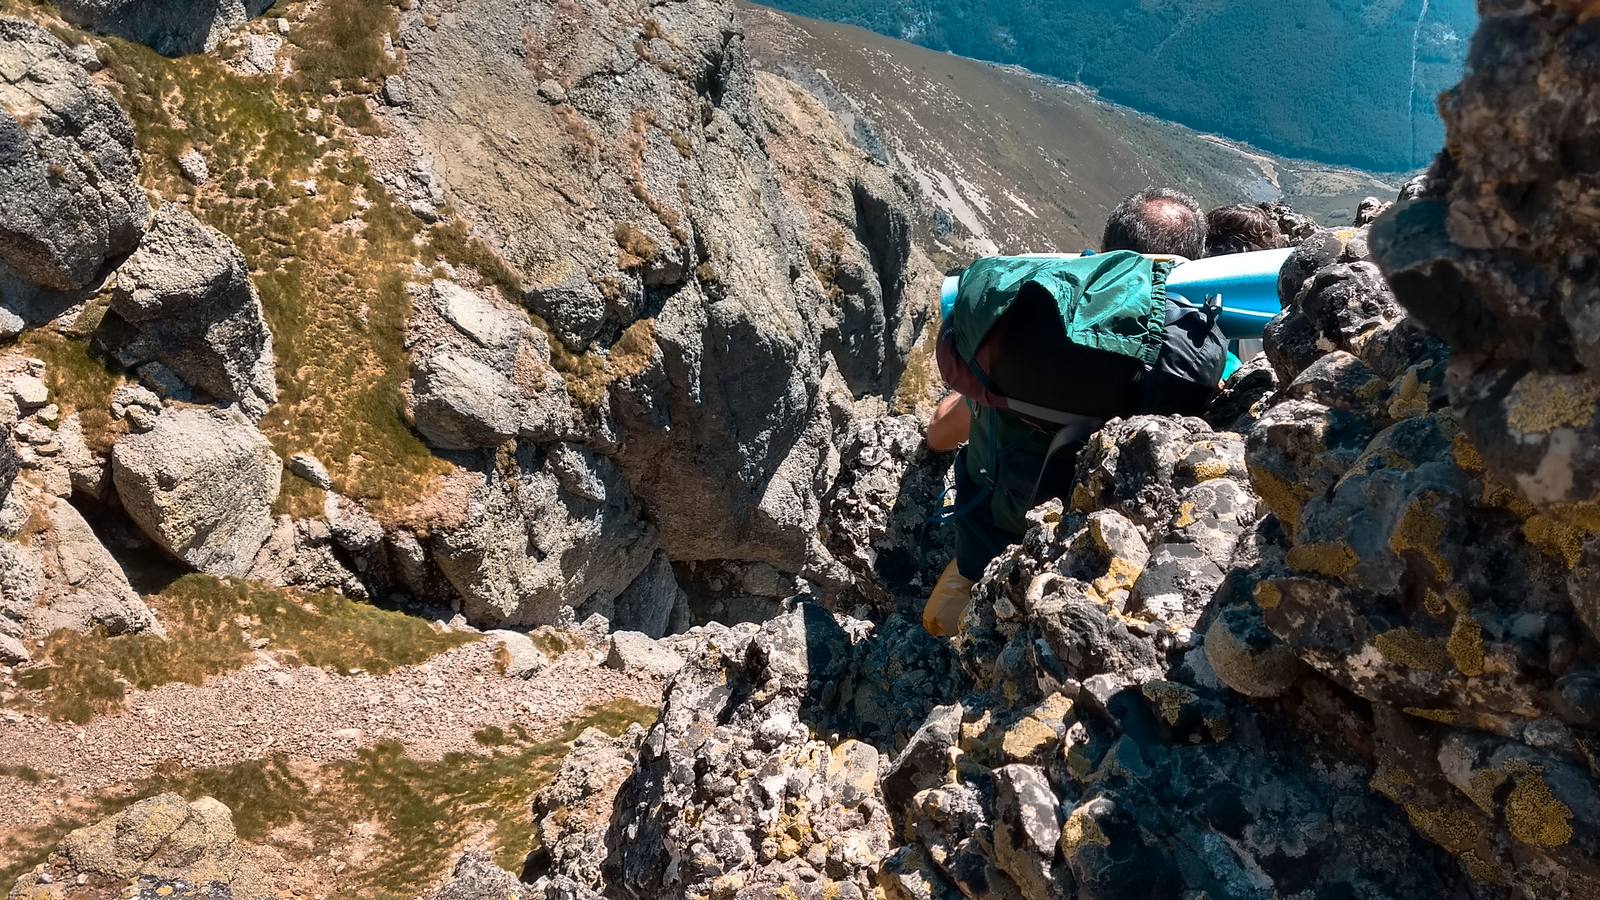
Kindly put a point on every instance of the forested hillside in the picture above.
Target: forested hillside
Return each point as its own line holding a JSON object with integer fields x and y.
{"x": 1345, "y": 81}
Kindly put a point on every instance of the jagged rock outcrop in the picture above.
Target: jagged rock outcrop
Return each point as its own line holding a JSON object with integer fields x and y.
{"x": 669, "y": 264}
{"x": 856, "y": 217}
{"x": 739, "y": 792}
{"x": 185, "y": 301}
{"x": 481, "y": 373}
{"x": 1096, "y": 753}
{"x": 169, "y": 27}
{"x": 70, "y": 200}
{"x": 476, "y": 877}
{"x": 573, "y": 812}
{"x": 201, "y": 484}
{"x": 544, "y": 529}
{"x": 161, "y": 847}
{"x": 1493, "y": 252}
{"x": 875, "y": 519}
{"x": 1401, "y": 567}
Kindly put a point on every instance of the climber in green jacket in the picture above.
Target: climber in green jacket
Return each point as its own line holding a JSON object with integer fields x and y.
{"x": 1040, "y": 353}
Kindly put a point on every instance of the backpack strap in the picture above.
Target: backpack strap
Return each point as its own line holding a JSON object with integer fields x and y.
{"x": 1075, "y": 434}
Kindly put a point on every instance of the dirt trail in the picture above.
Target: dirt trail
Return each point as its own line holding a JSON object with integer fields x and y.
{"x": 310, "y": 714}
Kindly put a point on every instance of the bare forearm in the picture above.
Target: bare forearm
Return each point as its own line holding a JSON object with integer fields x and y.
{"x": 951, "y": 425}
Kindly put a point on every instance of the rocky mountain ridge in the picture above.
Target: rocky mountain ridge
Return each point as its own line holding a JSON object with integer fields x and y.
{"x": 530, "y": 316}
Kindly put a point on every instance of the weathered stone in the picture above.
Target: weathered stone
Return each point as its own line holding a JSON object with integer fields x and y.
{"x": 61, "y": 577}
{"x": 171, "y": 29}
{"x": 159, "y": 842}
{"x": 311, "y": 469}
{"x": 70, "y": 200}
{"x": 583, "y": 547}
{"x": 201, "y": 484}
{"x": 476, "y": 877}
{"x": 185, "y": 300}
{"x": 462, "y": 404}
{"x": 630, "y": 651}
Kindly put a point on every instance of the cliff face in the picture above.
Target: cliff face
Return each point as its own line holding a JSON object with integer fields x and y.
{"x": 726, "y": 291}
{"x": 653, "y": 291}
{"x": 1341, "y": 640}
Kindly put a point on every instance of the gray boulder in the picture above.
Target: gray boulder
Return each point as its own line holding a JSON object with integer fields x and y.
{"x": 481, "y": 373}
{"x": 539, "y": 536}
{"x": 169, "y": 27}
{"x": 70, "y": 200}
{"x": 201, "y": 484}
{"x": 463, "y": 404}
{"x": 630, "y": 651}
{"x": 57, "y": 575}
{"x": 162, "y": 847}
{"x": 187, "y": 302}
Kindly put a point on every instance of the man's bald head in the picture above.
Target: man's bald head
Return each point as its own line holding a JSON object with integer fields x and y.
{"x": 1157, "y": 220}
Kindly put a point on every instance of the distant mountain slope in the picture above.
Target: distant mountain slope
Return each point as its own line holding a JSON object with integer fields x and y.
{"x": 1344, "y": 81}
{"x": 1014, "y": 162}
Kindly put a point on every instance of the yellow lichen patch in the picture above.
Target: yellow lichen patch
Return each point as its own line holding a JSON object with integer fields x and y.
{"x": 974, "y": 733}
{"x": 1211, "y": 470}
{"x": 1027, "y": 740}
{"x": 1498, "y": 494}
{"x": 1409, "y": 398}
{"x": 1535, "y": 816}
{"x": 1541, "y": 402}
{"x": 1420, "y": 530}
{"x": 1121, "y": 575}
{"x": 1407, "y": 647}
{"x": 1481, "y": 869}
{"x": 1332, "y": 560}
{"x": 1583, "y": 517}
{"x": 1442, "y": 716}
{"x": 1185, "y": 516}
{"x": 1268, "y": 595}
{"x": 1554, "y": 539}
{"x": 1441, "y": 603}
{"x": 1465, "y": 645}
{"x": 1465, "y": 454}
{"x": 1286, "y": 500}
{"x": 1082, "y": 499}
{"x": 1169, "y": 698}
{"x": 1079, "y": 831}
{"x": 1369, "y": 390}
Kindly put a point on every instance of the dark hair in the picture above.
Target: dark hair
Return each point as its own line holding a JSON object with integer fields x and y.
{"x": 1157, "y": 220}
{"x": 1241, "y": 229}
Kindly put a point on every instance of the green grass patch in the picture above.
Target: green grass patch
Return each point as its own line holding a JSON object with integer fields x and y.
{"x": 79, "y": 381}
{"x": 453, "y": 242}
{"x": 331, "y": 262}
{"x": 340, "y": 47}
{"x": 427, "y": 809}
{"x": 210, "y": 624}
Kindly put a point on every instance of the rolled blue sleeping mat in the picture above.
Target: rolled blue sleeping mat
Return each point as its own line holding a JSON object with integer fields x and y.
{"x": 1246, "y": 282}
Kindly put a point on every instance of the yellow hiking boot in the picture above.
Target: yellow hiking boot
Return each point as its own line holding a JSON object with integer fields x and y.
{"x": 948, "y": 603}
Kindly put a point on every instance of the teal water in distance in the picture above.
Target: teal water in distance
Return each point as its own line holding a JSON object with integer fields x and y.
{"x": 1351, "y": 82}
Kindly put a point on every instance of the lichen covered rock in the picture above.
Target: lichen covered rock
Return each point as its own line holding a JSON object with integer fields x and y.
{"x": 185, "y": 300}
{"x": 163, "y": 847}
{"x": 70, "y": 201}
{"x": 742, "y": 787}
{"x": 201, "y": 484}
